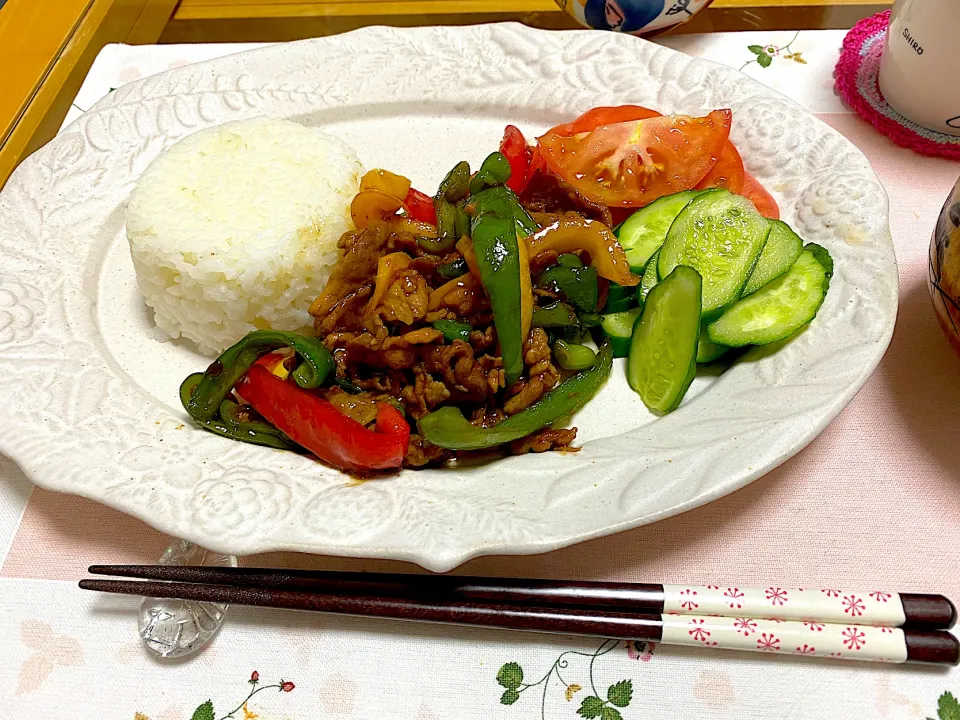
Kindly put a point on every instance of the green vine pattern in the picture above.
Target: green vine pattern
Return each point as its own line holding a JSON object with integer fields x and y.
{"x": 606, "y": 706}
{"x": 948, "y": 708}
{"x": 766, "y": 53}
{"x": 205, "y": 710}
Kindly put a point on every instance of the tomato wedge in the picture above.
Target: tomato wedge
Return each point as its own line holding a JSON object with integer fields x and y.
{"x": 761, "y": 199}
{"x": 727, "y": 173}
{"x": 600, "y": 116}
{"x": 591, "y": 120}
{"x": 631, "y": 164}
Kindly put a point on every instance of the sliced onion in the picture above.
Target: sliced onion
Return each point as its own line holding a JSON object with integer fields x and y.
{"x": 370, "y": 205}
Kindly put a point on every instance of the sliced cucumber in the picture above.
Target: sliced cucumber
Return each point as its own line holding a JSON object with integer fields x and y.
{"x": 644, "y": 232}
{"x": 778, "y": 309}
{"x": 779, "y": 254}
{"x": 618, "y": 327}
{"x": 707, "y": 350}
{"x": 663, "y": 349}
{"x": 720, "y": 235}
{"x": 822, "y": 256}
{"x": 649, "y": 278}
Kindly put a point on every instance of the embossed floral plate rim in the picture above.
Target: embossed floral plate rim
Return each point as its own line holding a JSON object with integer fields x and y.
{"x": 76, "y": 422}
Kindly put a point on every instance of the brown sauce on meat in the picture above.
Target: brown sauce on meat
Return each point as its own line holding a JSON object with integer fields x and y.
{"x": 384, "y": 343}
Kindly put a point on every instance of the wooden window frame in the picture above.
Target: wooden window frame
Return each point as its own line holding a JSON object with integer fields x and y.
{"x": 48, "y": 47}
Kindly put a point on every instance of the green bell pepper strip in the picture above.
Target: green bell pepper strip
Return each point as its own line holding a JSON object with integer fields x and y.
{"x": 619, "y": 298}
{"x": 498, "y": 256}
{"x": 453, "y": 188}
{"x": 503, "y": 195}
{"x": 453, "y": 330}
{"x": 265, "y": 433}
{"x": 570, "y": 260}
{"x": 451, "y": 270}
{"x": 495, "y": 170}
{"x": 229, "y": 424}
{"x": 461, "y": 223}
{"x": 448, "y": 428}
{"x": 577, "y": 284}
{"x": 220, "y": 377}
{"x": 558, "y": 314}
{"x": 446, "y": 230}
{"x": 347, "y": 386}
{"x": 493, "y": 229}
{"x": 571, "y": 356}
{"x": 573, "y": 335}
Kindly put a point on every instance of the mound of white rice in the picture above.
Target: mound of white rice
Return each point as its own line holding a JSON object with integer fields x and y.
{"x": 235, "y": 228}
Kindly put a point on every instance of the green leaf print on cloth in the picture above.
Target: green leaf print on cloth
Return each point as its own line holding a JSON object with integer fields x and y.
{"x": 204, "y": 712}
{"x": 766, "y": 53}
{"x": 205, "y": 709}
{"x": 948, "y": 708}
{"x": 605, "y": 706}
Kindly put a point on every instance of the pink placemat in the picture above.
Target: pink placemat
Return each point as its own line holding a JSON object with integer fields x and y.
{"x": 857, "y": 73}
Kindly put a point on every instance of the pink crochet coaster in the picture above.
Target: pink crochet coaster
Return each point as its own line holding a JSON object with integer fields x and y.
{"x": 856, "y": 76}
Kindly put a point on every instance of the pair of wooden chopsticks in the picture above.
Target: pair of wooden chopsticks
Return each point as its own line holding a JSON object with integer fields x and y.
{"x": 823, "y": 622}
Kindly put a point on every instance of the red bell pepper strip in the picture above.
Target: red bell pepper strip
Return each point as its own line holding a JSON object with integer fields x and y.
{"x": 318, "y": 426}
{"x": 420, "y": 207}
{"x": 514, "y": 148}
{"x": 537, "y": 163}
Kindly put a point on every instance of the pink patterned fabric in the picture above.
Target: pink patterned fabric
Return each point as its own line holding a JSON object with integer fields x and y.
{"x": 856, "y": 81}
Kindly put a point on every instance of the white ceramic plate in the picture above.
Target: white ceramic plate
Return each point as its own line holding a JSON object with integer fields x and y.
{"x": 90, "y": 397}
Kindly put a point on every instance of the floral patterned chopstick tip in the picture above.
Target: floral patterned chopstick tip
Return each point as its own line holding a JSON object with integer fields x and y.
{"x": 825, "y": 605}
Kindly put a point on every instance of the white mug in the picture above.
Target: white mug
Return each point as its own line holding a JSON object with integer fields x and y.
{"x": 920, "y": 66}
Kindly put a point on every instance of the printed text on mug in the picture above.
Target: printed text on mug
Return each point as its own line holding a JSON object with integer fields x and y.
{"x": 913, "y": 43}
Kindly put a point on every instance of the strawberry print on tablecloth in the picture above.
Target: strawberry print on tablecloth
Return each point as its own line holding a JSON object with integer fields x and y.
{"x": 206, "y": 711}
{"x": 586, "y": 691}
